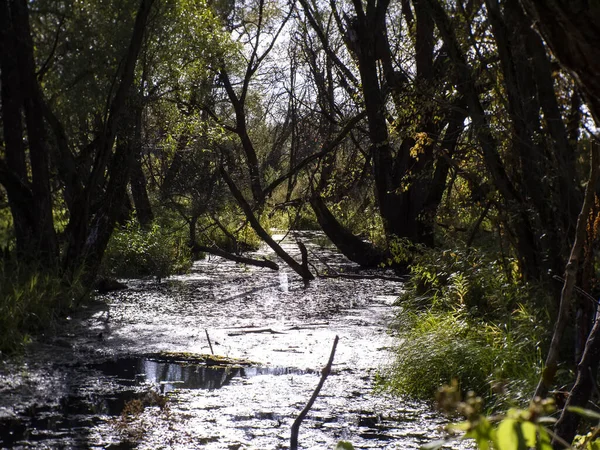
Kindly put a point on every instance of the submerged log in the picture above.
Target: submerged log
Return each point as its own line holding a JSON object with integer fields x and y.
{"x": 239, "y": 259}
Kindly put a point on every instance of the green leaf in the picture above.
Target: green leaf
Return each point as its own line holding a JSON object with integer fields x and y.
{"x": 482, "y": 433}
{"x": 544, "y": 442}
{"x": 344, "y": 445}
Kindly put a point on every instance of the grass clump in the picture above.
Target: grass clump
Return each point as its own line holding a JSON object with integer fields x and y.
{"x": 136, "y": 252}
{"x": 467, "y": 319}
{"x": 440, "y": 346}
{"x": 32, "y": 301}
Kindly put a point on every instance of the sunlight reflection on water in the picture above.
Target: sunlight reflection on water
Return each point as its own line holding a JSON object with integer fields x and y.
{"x": 271, "y": 318}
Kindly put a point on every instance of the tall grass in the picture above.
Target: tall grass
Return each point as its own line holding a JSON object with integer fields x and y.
{"x": 32, "y": 301}
{"x": 468, "y": 319}
{"x": 495, "y": 361}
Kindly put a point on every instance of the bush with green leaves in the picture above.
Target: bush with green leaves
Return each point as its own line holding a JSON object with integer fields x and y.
{"x": 458, "y": 277}
{"x": 135, "y": 252}
{"x": 32, "y": 301}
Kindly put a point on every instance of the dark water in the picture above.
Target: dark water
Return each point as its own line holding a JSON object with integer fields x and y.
{"x": 126, "y": 375}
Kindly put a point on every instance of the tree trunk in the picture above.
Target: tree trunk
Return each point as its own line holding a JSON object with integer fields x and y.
{"x": 570, "y": 28}
{"x": 30, "y": 201}
{"x": 524, "y": 229}
{"x": 19, "y": 196}
{"x": 585, "y": 384}
{"x": 300, "y": 269}
{"x": 137, "y": 181}
{"x": 89, "y": 231}
{"x": 407, "y": 186}
{"x": 351, "y": 246}
{"x": 546, "y": 183}
{"x": 566, "y": 299}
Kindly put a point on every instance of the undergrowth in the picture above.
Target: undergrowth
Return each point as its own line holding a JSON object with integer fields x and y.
{"x": 32, "y": 301}
{"x": 135, "y": 252}
{"x": 467, "y": 318}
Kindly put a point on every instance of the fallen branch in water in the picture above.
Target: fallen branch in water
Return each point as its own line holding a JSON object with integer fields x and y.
{"x": 355, "y": 276}
{"x": 254, "y": 330}
{"x": 324, "y": 374}
{"x": 238, "y": 259}
{"x": 307, "y": 326}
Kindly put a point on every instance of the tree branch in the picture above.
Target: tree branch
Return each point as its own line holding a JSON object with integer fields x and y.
{"x": 551, "y": 364}
{"x": 324, "y": 374}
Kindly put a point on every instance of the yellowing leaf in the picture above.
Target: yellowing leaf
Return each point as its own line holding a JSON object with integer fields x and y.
{"x": 507, "y": 437}
{"x": 529, "y": 431}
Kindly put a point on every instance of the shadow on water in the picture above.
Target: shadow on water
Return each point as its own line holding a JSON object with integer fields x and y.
{"x": 67, "y": 424}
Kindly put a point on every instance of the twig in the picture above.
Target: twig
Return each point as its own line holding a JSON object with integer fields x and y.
{"x": 578, "y": 290}
{"x": 307, "y": 326}
{"x": 303, "y": 253}
{"x": 209, "y": 343}
{"x": 477, "y": 225}
{"x": 256, "y": 330}
{"x": 324, "y": 373}
{"x": 560, "y": 440}
{"x": 324, "y": 262}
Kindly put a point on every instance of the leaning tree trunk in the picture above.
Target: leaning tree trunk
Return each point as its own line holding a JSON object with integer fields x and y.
{"x": 300, "y": 269}
{"x": 351, "y": 246}
{"x": 570, "y": 28}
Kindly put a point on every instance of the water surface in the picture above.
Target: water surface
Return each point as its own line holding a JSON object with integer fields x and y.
{"x": 127, "y": 354}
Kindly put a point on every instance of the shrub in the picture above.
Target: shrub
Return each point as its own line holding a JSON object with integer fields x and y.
{"x": 134, "y": 252}
{"x": 456, "y": 278}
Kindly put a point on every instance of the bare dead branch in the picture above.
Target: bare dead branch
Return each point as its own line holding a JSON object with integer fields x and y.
{"x": 324, "y": 374}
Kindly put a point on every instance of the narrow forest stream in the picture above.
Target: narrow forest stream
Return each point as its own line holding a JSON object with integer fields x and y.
{"x": 71, "y": 391}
